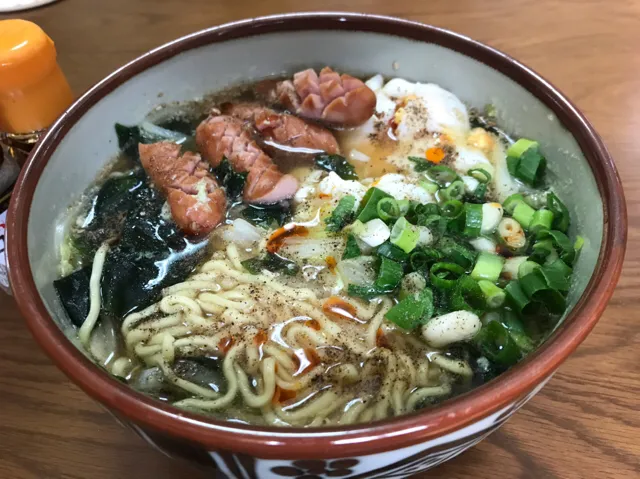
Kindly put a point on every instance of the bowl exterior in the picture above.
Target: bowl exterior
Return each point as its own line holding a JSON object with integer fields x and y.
{"x": 251, "y": 50}
{"x": 394, "y": 463}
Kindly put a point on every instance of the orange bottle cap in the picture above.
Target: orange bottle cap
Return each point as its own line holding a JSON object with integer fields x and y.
{"x": 27, "y": 54}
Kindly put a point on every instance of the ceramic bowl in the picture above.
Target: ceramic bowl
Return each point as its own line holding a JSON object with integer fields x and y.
{"x": 80, "y": 143}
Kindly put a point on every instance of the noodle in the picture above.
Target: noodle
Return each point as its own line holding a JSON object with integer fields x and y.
{"x": 288, "y": 361}
{"x": 94, "y": 293}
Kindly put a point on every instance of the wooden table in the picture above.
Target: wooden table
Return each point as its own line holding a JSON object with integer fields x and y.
{"x": 585, "y": 423}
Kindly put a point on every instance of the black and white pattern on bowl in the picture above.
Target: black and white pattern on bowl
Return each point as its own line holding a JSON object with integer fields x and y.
{"x": 398, "y": 463}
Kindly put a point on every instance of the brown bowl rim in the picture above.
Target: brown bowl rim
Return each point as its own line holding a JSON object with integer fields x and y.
{"x": 344, "y": 441}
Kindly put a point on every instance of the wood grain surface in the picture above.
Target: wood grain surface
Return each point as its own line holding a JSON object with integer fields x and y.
{"x": 584, "y": 424}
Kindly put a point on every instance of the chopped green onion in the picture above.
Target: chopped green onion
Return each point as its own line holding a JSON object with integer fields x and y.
{"x": 421, "y": 258}
{"x": 342, "y": 215}
{"x": 480, "y": 192}
{"x": 480, "y": 174}
{"x": 411, "y": 284}
{"x": 494, "y": 296}
{"x": 412, "y": 311}
{"x": 390, "y": 274}
{"x": 542, "y": 220}
{"x": 420, "y": 164}
{"x": 511, "y": 202}
{"x": 366, "y": 292}
{"x": 536, "y": 200}
{"x": 516, "y": 330}
{"x": 351, "y": 250}
{"x": 445, "y": 275}
{"x": 523, "y": 214}
{"x": 429, "y": 186}
{"x": 369, "y": 206}
{"x": 441, "y": 175}
{"x": 526, "y": 268}
{"x": 473, "y": 220}
{"x": 455, "y": 191}
{"x": 392, "y": 252}
{"x": 557, "y": 275}
{"x": 517, "y": 297}
{"x": 542, "y": 249}
{"x": 560, "y": 212}
{"x": 488, "y": 266}
{"x": 404, "y": 235}
{"x": 388, "y": 209}
{"x": 468, "y": 296}
{"x": 525, "y": 161}
{"x": 404, "y": 206}
{"x": 452, "y": 208}
{"x": 497, "y": 345}
{"x": 562, "y": 243}
{"x": 520, "y": 147}
{"x": 456, "y": 252}
{"x": 536, "y": 288}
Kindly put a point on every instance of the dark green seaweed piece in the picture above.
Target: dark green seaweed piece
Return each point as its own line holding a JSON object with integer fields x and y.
{"x": 73, "y": 291}
{"x": 271, "y": 262}
{"x": 337, "y": 164}
{"x": 232, "y": 181}
{"x": 268, "y": 216}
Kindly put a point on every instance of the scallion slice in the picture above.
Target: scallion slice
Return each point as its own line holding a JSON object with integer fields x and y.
{"x": 444, "y": 275}
{"x": 496, "y": 343}
{"x": 480, "y": 174}
{"x": 468, "y": 296}
{"x": 494, "y": 296}
{"x": 455, "y": 191}
{"x": 390, "y": 274}
{"x": 561, "y": 218}
{"x": 542, "y": 220}
{"x": 388, "y": 209}
{"x": 557, "y": 275}
{"x": 412, "y": 311}
{"x": 452, "y": 208}
{"x": 523, "y": 214}
{"x": 561, "y": 242}
{"x": 392, "y": 252}
{"x": 368, "y": 209}
{"x": 535, "y": 286}
{"x": 404, "y": 235}
{"x": 351, "y": 250}
{"x": 429, "y": 186}
{"x": 421, "y": 258}
{"x": 457, "y": 252}
{"x": 525, "y": 161}
{"x": 488, "y": 267}
{"x": 516, "y": 330}
{"x": 517, "y": 297}
{"x": 511, "y": 202}
{"x": 526, "y": 268}
{"x": 473, "y": 220}
{"x": 441, "y": 175}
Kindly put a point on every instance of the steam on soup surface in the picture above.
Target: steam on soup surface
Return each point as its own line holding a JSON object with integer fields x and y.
{"x": 316, "y": 250}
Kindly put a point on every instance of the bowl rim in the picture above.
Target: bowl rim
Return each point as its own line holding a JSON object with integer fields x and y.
{"x": 341, "y": 441}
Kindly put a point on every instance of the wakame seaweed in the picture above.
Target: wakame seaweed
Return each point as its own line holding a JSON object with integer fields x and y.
{"x": 73, "y": 291}
{"x": 230, "y": 179}
{"x": 151, "y": 255}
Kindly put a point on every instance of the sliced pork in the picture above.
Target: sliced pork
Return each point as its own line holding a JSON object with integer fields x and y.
{"x": 283, "y": 131}
{"x": 339, "y": 100}
{"x": 223, "y": 136}
{"x": 197, "y": 203}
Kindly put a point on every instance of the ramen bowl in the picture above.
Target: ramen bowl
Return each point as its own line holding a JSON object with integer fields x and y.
{"x": 82, "y": 141}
